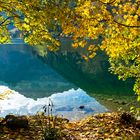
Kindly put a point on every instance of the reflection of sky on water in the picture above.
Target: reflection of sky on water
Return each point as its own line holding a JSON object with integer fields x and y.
{"x": 65, "y": 104}
{"x": 68, "y": 104}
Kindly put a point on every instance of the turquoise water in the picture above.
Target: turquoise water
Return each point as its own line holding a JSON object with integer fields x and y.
{"x": 33, "y": 83}
{"x": 35, "y": 77}
{"x": 22, "y": 71}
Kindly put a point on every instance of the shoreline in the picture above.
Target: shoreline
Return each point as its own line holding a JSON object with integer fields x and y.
{"x": 117, "y": 103}
{"x": 107, "y": 126}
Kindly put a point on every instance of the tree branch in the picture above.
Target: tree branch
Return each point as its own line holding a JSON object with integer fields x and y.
{"x": 131, "y": 26}
{"x": 111, "y": 2}
{"x": 4, "y": 21}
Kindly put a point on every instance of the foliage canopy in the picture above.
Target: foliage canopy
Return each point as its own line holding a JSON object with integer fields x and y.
{"x": 116, "y": 23}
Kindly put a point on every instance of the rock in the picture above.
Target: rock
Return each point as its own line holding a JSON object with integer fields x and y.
{"x": 123, "y": 103}
{"x": 120, "y": 102}
{"x": 138, "y": 118}
{"x": 14, "y": 122}
{"x": 127, "y": 118}
{"x": 65, "y": 120}
{"x": 82, "y": 107}
{"x": 116, "y": 101}
{"x": 138, "y": 124}
{"x": 110, "y": 99}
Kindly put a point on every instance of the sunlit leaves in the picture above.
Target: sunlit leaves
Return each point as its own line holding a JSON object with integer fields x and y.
{"x": 116, "y": 21}
{"x": 5, "y": 35}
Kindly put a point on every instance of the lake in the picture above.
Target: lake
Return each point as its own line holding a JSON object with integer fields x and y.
{"x": 32, "y": 84}
{"x": 76, "y": 87}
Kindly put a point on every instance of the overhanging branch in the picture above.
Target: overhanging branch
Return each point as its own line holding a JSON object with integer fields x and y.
{"x": 131, "y": 26}
{"x": 4, "y": 21}
{"x": 111, "y": 2}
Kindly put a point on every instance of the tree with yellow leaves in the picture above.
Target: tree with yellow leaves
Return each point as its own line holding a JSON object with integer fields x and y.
{"x": 115, "y": 23}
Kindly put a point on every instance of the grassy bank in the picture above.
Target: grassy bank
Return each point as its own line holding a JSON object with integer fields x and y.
{"x": 106, "y": 126}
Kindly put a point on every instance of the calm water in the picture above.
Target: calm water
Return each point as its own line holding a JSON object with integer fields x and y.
{"x": 24, "y": 72}
{"x": 62, "y": 77}
{"x": 36, "y": 83}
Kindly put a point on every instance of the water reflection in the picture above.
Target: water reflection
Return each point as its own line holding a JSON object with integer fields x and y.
{"x": 24, "y": 72}
{"x": 66, "y": 104}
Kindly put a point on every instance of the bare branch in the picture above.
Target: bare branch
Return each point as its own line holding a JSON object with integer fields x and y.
{"x": 4, "y": 21}
{"x": 131, "y": 26}
{"x": 111, "y": 2}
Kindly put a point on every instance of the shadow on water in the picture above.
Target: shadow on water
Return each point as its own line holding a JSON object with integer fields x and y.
{"x": 25, "y": 73}
{"x": 92, "y": 76}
